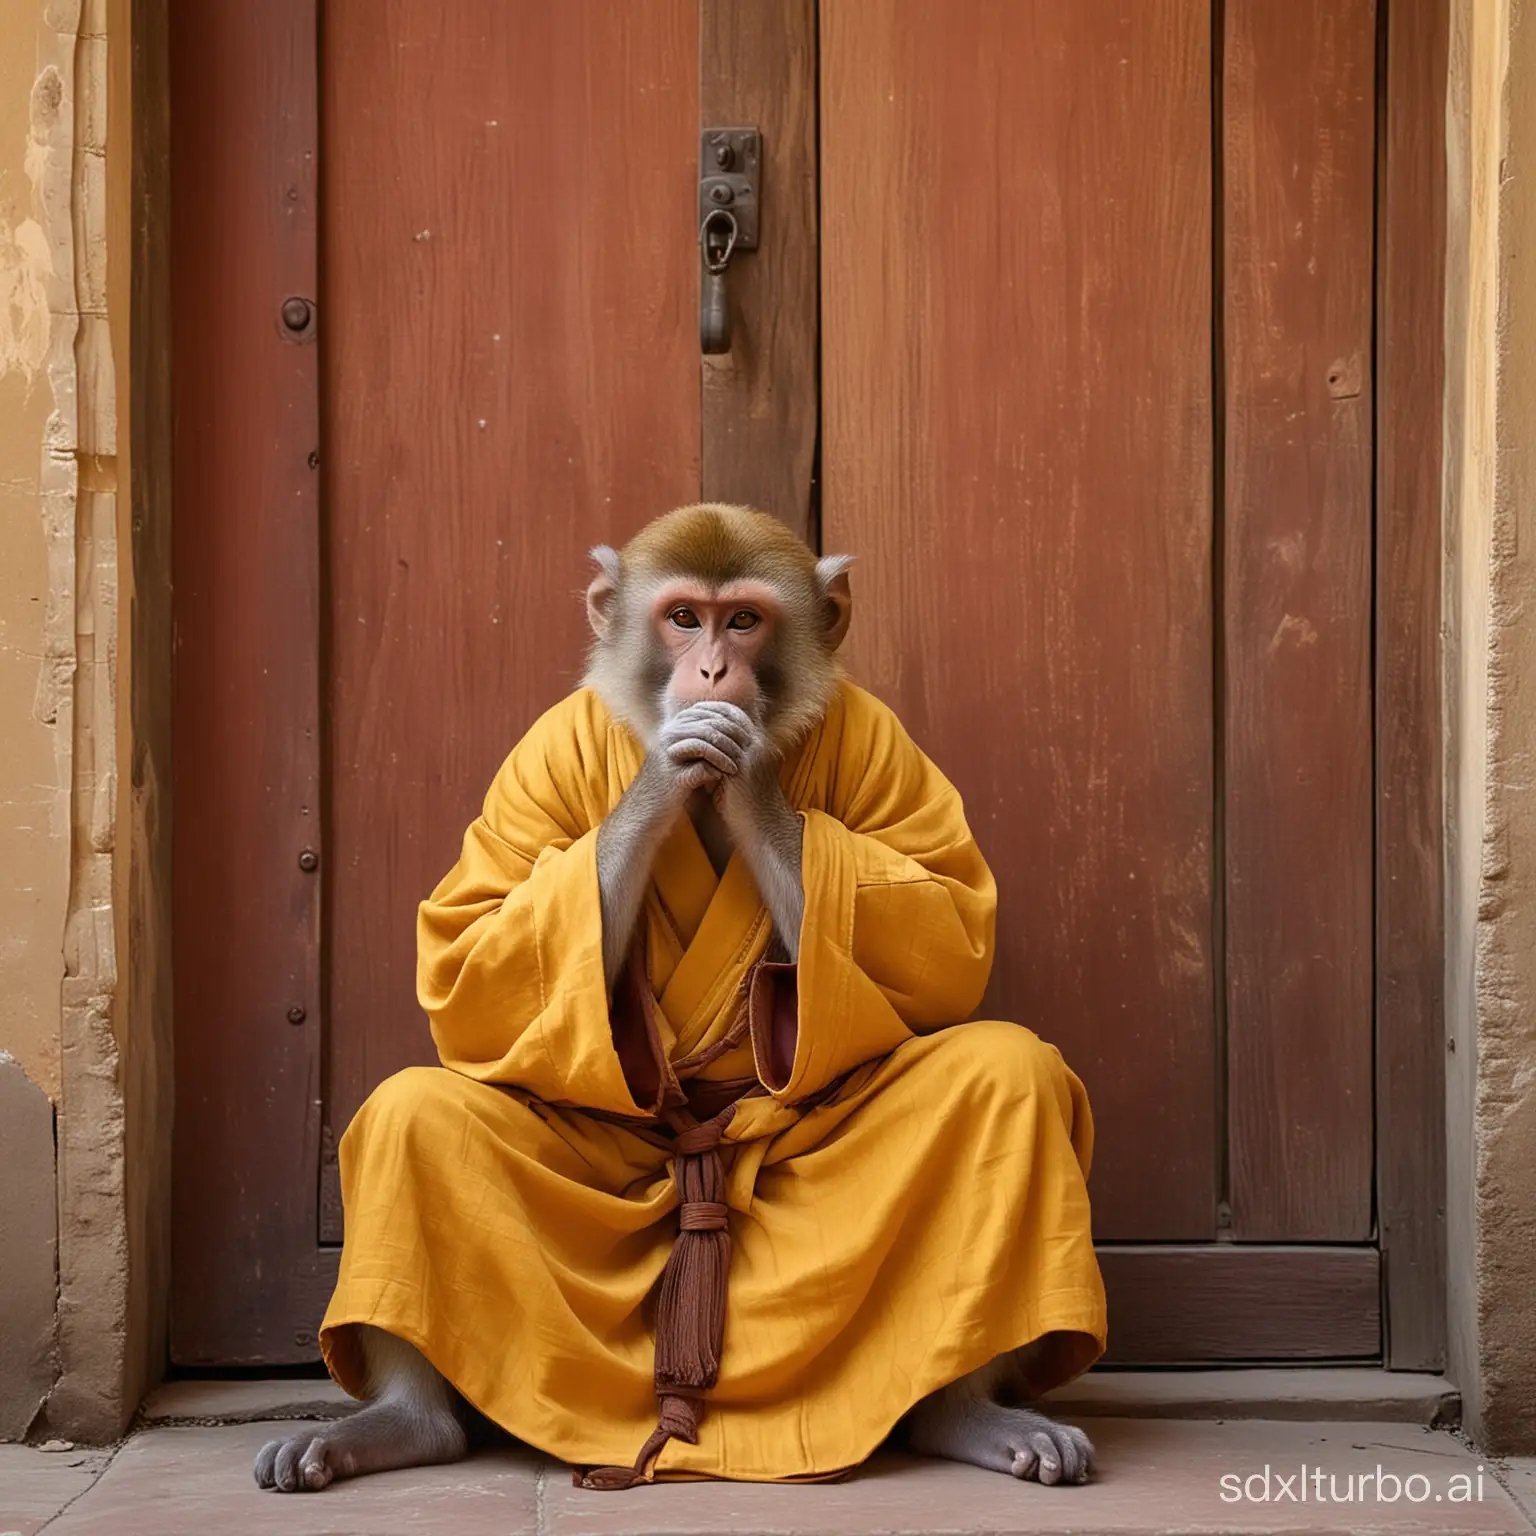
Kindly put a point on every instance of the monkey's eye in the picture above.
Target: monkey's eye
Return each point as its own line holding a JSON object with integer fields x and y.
{"x": 744, "y": 619}
{"x": 684, "y": 618}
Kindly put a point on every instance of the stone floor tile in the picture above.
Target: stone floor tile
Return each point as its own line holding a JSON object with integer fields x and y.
{"x": 1155, "y": 1475}
{"x": 196, "y": 1481}
{"x": 35, "y": 1485}
{"x": 1520, "y": 1477}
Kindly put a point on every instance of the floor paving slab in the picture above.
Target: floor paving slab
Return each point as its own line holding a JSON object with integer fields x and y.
{"x": 1520, "y": 1479}
{"x": 35, "y": 1485}
{"x": 196, "y": 1481}
{"x": 1156, "y": 1475}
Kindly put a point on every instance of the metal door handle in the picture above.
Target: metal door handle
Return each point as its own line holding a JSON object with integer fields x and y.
{"x": 729, "y": 159}
{"x": 717, "y": 244}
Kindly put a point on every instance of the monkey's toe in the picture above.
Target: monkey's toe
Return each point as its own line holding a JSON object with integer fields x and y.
{"x": 1057, "y": 1454}
{"x": 315, "y": 1469}
{"x": 266, "y": 1462}
{"x": 1079, "y": 1460}
{"x": 299, "y": 1465}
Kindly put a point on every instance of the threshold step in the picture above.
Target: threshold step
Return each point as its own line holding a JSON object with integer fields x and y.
{"x": 1318, "y": 1393}
{"x": 1295, "y": 1393}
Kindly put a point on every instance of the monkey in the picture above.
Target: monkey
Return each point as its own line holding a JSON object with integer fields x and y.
{"x": 715, "y": 642}
{"x": 719, "y": 678}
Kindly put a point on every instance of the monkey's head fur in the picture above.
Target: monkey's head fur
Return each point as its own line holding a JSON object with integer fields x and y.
{"x": 717, "y": 602}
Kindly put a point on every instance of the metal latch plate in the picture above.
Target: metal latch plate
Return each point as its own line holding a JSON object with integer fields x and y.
{"x": 730, "y": 163}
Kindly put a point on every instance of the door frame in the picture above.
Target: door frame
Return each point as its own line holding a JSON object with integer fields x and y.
{"x": 266, "y": 181}
{"x": 1413, "y": 62}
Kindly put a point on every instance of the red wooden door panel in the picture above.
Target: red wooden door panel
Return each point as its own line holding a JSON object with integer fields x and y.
{"x": 1016, "y": 228}
{"x": 512, "y": 375}
{"x": 1299, "y": 108}
{"x": 247, "y": 794}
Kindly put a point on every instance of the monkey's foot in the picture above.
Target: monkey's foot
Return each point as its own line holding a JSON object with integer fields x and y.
{"x": 379, "y": 1438}
{"x": 1014, "y": 1440}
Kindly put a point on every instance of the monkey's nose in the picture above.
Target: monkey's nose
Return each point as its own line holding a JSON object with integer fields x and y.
{"x": 713, "y": 674}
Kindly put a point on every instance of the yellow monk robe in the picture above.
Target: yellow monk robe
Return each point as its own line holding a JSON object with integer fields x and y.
{"x": 907, "y": 1200}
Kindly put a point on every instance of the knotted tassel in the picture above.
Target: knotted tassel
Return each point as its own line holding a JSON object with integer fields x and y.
{"x": 690, "y": 1309}
{"x": 690, "y": 1312}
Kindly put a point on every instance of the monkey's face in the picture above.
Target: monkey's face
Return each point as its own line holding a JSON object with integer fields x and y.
{"x": 715, "y": 602}
{"x": 715, "y": 641}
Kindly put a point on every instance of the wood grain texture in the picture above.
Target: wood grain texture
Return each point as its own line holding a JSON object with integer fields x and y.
{"x": 1016, "y": 205}
{"x": 758, "y": 69}
{"x": 1298, "y": 135}
{"x": 1231, "y": 1302}
{"x": 246, "y": 559}
{"x": 1410, "y": 1026}
{"x": 511, "y": 375}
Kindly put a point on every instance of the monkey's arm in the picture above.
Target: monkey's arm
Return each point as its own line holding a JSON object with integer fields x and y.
{"x": 626, "y": 851}
{"x": 769, "y": 835}
{"x": 693, "y": 749}
{"x": 899, "y": 908}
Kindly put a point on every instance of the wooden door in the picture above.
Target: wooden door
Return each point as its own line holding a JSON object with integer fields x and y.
{"x": 1090, "y": 396}
{"x": 1096, "y": 361}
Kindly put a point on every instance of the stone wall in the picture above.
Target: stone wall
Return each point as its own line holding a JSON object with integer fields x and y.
{"x": 65, "y": 200}
{"x": 1491, "y": 716}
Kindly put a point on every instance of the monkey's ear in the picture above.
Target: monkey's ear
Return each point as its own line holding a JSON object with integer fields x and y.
{"x": 604, "y": 587}
{"x": 832, "y": 577}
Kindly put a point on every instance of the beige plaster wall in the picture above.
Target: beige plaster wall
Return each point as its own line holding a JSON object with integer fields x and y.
{"x": 59, "y": 621}
{"x": 1491, "y": 717}
{"x": 36, "y": 584}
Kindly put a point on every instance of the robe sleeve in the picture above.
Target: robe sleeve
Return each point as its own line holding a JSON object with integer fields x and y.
{"x": 509, "y": 946}
{"x": 900, "y": 913}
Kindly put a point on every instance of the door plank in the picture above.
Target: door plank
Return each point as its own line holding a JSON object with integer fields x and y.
{"x": 246, "y": 562}
{"x": 758, "y": 69}
{"x": 1298, "y": 135}
{"x": 1410, "y": 1025}
{"x": 1169, "y": 1305}
{"x": 1016, "y": 270}
{"x": 1230, "y": 1301}
{"x": 512, "y": 365}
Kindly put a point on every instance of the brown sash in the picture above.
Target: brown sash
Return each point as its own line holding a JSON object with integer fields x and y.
{"x": 690, "y": 1311}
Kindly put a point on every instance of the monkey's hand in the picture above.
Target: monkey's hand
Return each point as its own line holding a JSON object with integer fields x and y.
{"x": 748, "y": 791}
{"x": 701, "y": 746}
{"x": 764, "y": 826}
